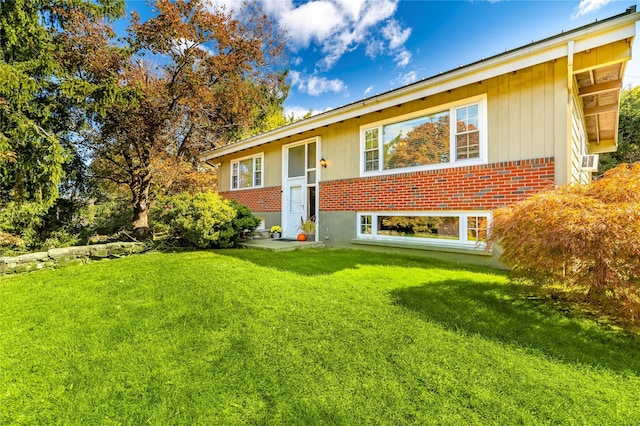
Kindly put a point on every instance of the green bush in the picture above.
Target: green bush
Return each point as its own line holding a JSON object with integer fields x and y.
{"x": 60, "y": 238}
{"x": 202, "y": 220}
{"x": 23, "y": 221}
{"x": 244, "y": 222}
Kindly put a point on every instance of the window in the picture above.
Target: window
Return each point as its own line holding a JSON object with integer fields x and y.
{"x": 416, "y": 142}
{"x": 477, "y": 228}
{"x": 467, "y": 133}
{"x": 371, "y": 150}
{"x": 438, "y": 228}
{"x": 426, "y": 140}
{"x": 247, "y": 172}
{"x": 365, "y": 224}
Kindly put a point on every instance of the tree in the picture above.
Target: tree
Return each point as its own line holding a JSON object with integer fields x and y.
{"x": 628, "y": 132}
{"x": 584, "y": 238}
{"x": 37, "y": 104}
{"x": 196, "y": 77}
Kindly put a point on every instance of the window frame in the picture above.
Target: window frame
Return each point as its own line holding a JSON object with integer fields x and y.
{"x": 463, "y": 242}
{"x": 452, "y": 161}
{"x": 235, "y": 166}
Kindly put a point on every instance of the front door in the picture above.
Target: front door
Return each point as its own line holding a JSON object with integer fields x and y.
{"x": 299, "y": 183}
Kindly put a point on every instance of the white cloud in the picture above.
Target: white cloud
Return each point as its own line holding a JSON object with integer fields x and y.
{"x": 352, "y": 7}
{"x": 338, "y": 26}
{"x": 227, "y": 5}
{"x": 315, "y": 20}
{"x": 319, "y": 85}
{"x": 368, "y": 90}
{"x": 180, "y": 45}
{"x": 588, "y": 6}
{"x": 403, "y": 58}
{"x": 276, "y": 7}
{"x": 394, "y": 33}
{"x": 374, "y": 48}
{"x": 295, "y": 77}
{"x": 315, "y": 85}
{"x": 299, "y": 112}
{"x": 404, "y": 79}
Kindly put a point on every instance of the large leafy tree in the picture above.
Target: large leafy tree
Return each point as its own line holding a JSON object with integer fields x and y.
{"x": 628, "y": 132}
{"x": 38, "y": 106}
{"x": 197, "y": 76}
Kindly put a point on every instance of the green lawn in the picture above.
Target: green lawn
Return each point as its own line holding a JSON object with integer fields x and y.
{"x": 308, "y": 337}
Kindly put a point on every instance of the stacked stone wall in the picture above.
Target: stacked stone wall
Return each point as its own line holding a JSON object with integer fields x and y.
{"x": 67, "y": 256}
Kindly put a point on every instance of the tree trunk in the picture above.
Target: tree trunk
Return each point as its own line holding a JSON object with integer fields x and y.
{"x": 140, "y": 191}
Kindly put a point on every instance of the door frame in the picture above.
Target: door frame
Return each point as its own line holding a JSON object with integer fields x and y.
{"x": 285, "y": 180}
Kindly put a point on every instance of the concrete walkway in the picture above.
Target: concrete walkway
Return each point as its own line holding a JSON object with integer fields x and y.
{"x": 281, "y": 244}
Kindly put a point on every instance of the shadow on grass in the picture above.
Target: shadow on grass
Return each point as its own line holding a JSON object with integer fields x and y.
{"x": 328, "y": 261}
{"x": 491, "y": 311}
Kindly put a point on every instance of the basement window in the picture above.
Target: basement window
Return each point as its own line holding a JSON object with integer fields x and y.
{"x": 455, "y": 229}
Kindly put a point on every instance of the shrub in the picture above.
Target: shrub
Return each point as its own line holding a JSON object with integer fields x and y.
{"x": 244, "y": 223}
{"x": 60, "y": 238}
{"x": 23, "y": 220}
{"x": 584, "y": 238}
{"x": 202, "y": 220}
{"x": 11, "y": 244}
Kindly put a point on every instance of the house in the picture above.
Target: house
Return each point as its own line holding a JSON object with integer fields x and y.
{"x": 422, "y": 167}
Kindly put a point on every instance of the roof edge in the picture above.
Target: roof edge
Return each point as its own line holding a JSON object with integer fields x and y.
{"x": 342, "y": 112}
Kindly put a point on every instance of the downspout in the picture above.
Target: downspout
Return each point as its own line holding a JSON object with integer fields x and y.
{"x": 569, "y": 144}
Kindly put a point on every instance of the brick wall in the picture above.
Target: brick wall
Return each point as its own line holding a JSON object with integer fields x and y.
{"x": 259, "y": 199}
{"x": 483, "y": 187}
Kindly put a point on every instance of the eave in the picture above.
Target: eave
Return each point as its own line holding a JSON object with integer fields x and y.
{"x": 599, "y": 89}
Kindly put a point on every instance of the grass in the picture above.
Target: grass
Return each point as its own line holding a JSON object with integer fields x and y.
{"x": 309, "y": 337}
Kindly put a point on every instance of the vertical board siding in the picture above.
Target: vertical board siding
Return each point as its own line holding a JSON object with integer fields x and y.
{"x": 578, "y": 136}
{"x": 561, "y": 105}
{"x": 526, "y": 113}
{"x": 522, "y": 115}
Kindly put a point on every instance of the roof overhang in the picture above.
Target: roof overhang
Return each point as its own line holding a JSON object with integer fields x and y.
{"x": 620, "y": 27}
{"x": 599, "y": 89}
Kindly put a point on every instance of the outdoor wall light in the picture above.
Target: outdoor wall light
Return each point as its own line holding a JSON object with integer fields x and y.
{"x": 323, "y": 163}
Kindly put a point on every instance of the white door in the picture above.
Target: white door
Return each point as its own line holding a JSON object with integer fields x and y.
{"x": 294, "y": 206}
{"x": 299, "y": 180}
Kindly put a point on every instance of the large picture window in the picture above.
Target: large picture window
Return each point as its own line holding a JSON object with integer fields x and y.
{"x": 247, "y": 172}
{"x": 438, "y": 228}
{"x": 416, "y": 142}
{"x": 426, "y": 139}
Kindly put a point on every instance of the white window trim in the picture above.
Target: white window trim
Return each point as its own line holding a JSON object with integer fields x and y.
{"x": 253, "y": 180}
{"x": 463, "y": 242}
{"x": 480, "y": 100}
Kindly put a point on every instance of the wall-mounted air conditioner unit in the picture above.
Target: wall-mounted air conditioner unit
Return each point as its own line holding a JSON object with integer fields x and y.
{"x": 589, "y": 163}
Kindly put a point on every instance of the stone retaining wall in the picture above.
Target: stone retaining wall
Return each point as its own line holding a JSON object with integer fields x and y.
{"x": 67, "y": 255}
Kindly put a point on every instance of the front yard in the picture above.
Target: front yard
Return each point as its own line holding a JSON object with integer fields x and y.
{"x": 308, "y": 337}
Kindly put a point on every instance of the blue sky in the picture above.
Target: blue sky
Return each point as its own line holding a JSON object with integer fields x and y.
{"x": 342, "y": 51}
